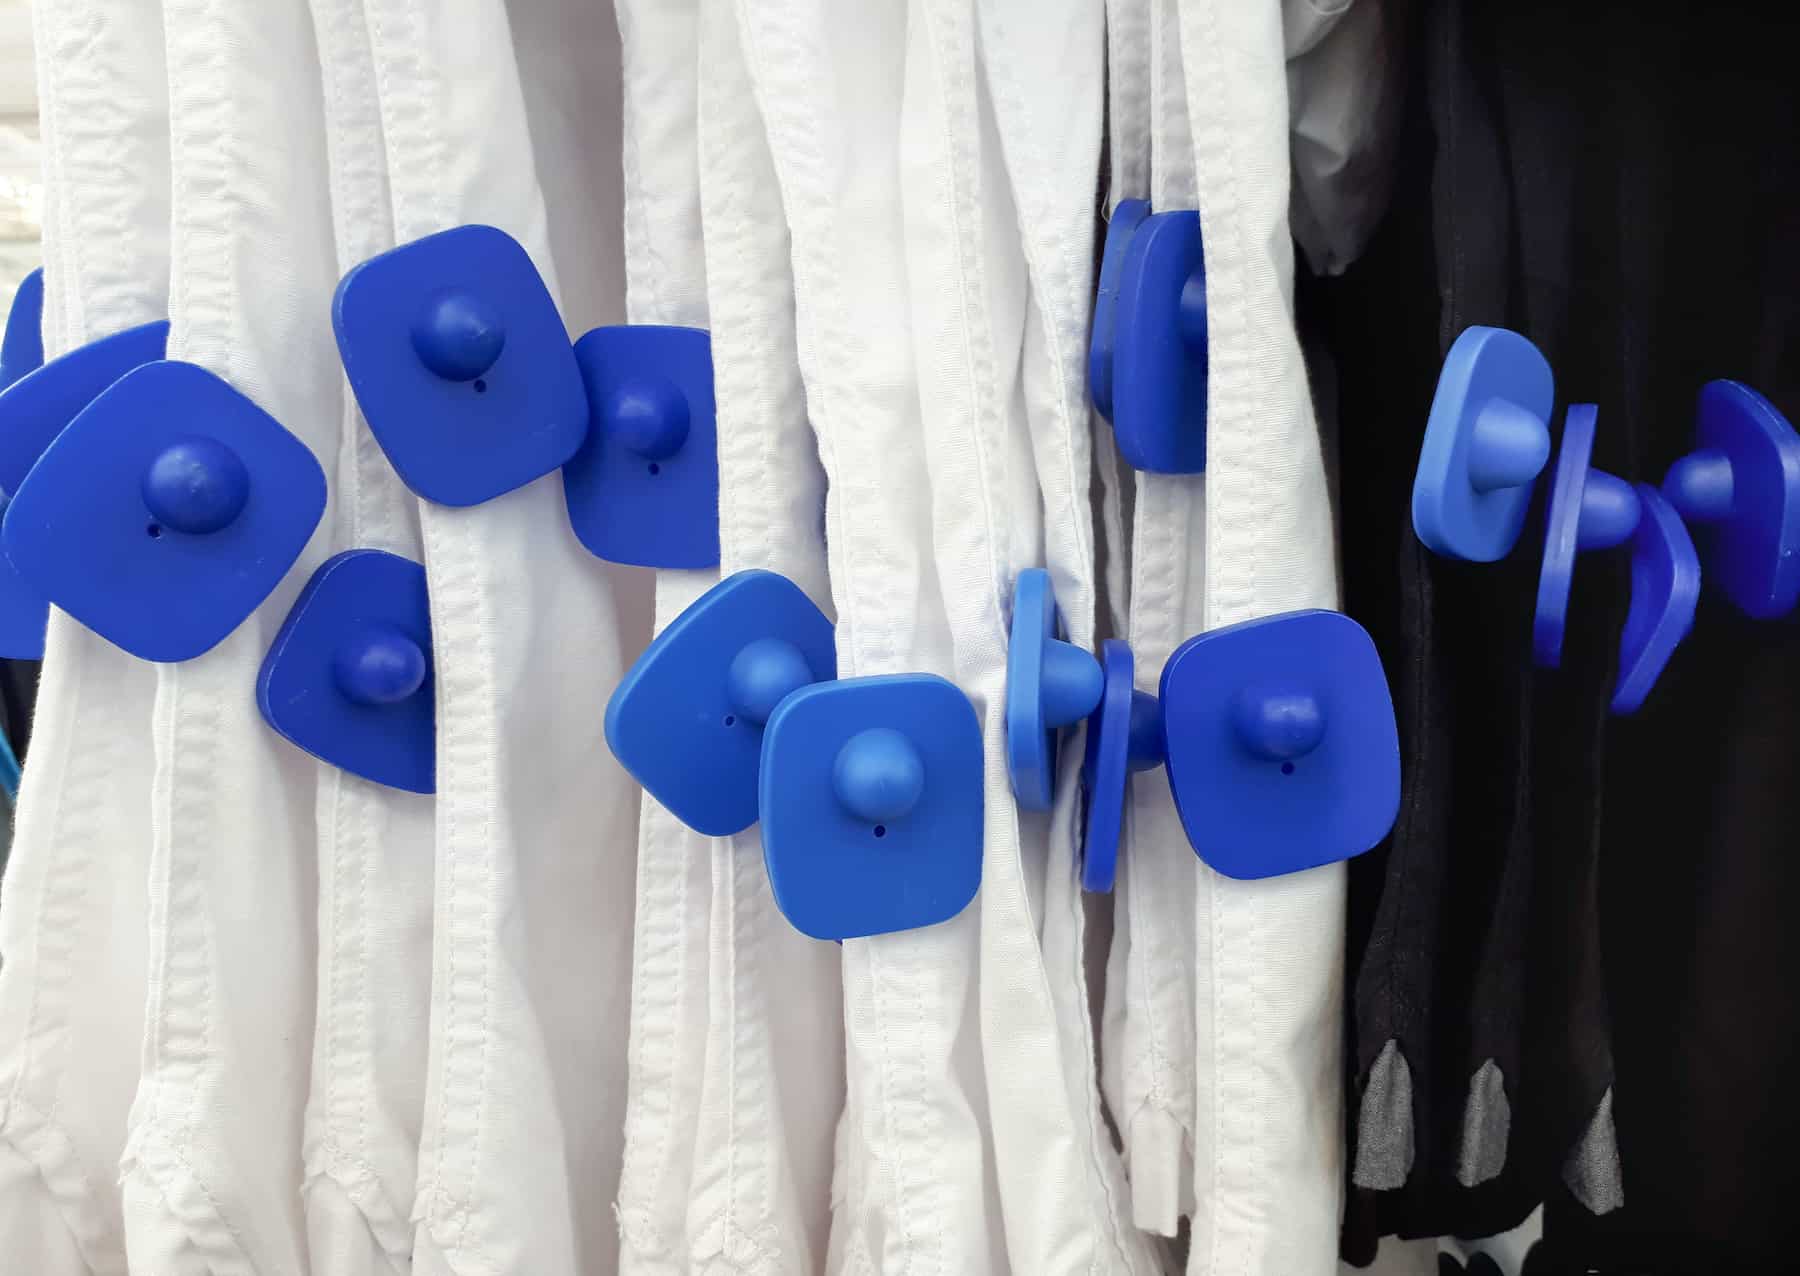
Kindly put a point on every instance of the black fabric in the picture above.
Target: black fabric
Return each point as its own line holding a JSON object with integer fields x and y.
{"x": 18, "y": 697}
{"x": 1591, "y": 902}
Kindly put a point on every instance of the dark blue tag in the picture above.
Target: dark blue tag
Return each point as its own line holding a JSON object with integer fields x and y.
{"x": 1486, "y": 442}
{"x": 461, "y": 364}
{"x": 687, "y": 718}
{"x": 1665, "y": 593}
{"x": 871, "y": 802}
{"x": 348, "y": 678}
{"x": 644, "y": 488}
{"x": 1740, "y": 487}
{"x": 36, "y": 408}
{"x": 1282, "y": 749}
{"x": 1160, "y": 348}
{"x": 22, "y": 346}
{"x": 1050, "y": 685}
{"x": 1123, "y": 224}
{"x": 166, "y": 512}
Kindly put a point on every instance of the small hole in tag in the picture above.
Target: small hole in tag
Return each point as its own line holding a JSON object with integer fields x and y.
{"x": 480, "y": 386}
{"x": 655, "y": 468}
{"x": 1287, "y": 768}
{"x": 731, "y": 719}
{"x": 154, "y": 531}
{"x": 881, "y": 830}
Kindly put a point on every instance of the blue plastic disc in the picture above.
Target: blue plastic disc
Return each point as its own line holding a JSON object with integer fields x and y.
{"x": 1160, "y": 347}
{"x": 22, "y": 346}
{"x": 1588, "y": 509}
{"x": 644, "y": 488}
{"x": 36, "y": 408}
{"x": 461, "y": 364}
{"x": 1283, "y": 752}
{"x": 24, "y": 611}
{"x": 687, "y": 720}
{"x": 1486, "y": 441}
{"x": 872, "y": 805}
{"x": 1050, "y": 685}
{"x": 1740, "y": 490}
{"x": 1126, "y": 219}
{"x": 1665, "y": 592}
{"x": 79, "y": 530}
{"x": 348, "y": 677}
{"x": 1106, "y": 766}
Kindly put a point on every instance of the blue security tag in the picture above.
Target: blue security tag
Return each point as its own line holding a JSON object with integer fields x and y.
{"x": 644, "y": 488}
{"x": 687, "y": 718}
{"x": 1486, "y": 441}
{"x": 872, "y": 805}
{"x": 1740, "y": 488}
{"x": 1283, "y": 753}
{"x": 166, "y": 512}
{"x": 34, "y": 409}
{"x": 24, "y": 611}
{"x": 1123, "y": 224}
{"x": 1050, "y": 685}
{"x": 461, "y": 364}
{"x": 1588, "y": 509}
{"x": 1665, "y": 592}
{"x": 35, "y": 405}
{"x": 1159, "y": 363}
{"x": 22, "y": 346}
{"x": 1104, "y": 770}
{"x": 348, "y": 677}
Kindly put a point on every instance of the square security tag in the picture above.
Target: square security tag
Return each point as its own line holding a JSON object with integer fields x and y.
{"x": 461, "y": 364}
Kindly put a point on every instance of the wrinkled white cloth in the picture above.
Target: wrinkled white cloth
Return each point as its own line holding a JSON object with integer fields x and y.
{"x": 522, "y": 1118}
{"x": 1268, "y": 955}
{"x": 1345, "y": 85}
{"x": 367, "y": 1092}
{"x": 211, "y": 1172}
{"x": 772, "y": 1087}
{"x": 72, "y": 937}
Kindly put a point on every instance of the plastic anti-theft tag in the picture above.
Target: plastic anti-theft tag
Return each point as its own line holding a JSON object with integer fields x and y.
{"x": 1050, "y": 685}
{"x": 168, "y": 441}
{"x": 1665, "y": 592}
{"x": 1159, "y": 360}
{"x": 34, "y": 409}
{"x": 687, "y": 719}
{"x": 1123, "y": 224}
{"x": 871, "y": 801}
{"x": 1108, "y": 764}
{"x": 1739, "y": 491}
{"x": 1283, "y": 753}
{"x": 1588, "y": 509}
{"x": 644, "y": 488}
{"x": 1486, "y": 441}
{"x": 348, "y": 677}
{"x": 23, "y": 610}
{"x": 22, "y": 347}
{"x": 461, "y": 364}
{"x": 37, "y": 407}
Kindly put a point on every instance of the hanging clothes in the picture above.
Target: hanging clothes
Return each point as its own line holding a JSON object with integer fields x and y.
{"x": 74, "y": 968}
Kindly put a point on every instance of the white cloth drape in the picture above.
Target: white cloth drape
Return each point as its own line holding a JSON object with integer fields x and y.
{"x": 72, "y": 935}
{"x": 258, "y": 1015}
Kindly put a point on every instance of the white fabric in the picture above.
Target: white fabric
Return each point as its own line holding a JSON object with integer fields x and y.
{"x": 915, "y": 1182}
{"x": 375, "y": 844}
{"x": 72, "y": 937}
{"x": 211, "y": 1172}
{"x": 1345, "y": 85}
{"x": 1153, "y": 1026}
{"x": 1269, "y": 955}
{"x": 772, "y": 1087}
{"x": 521, "y": 1111}
{"x": 665, "y": 270}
